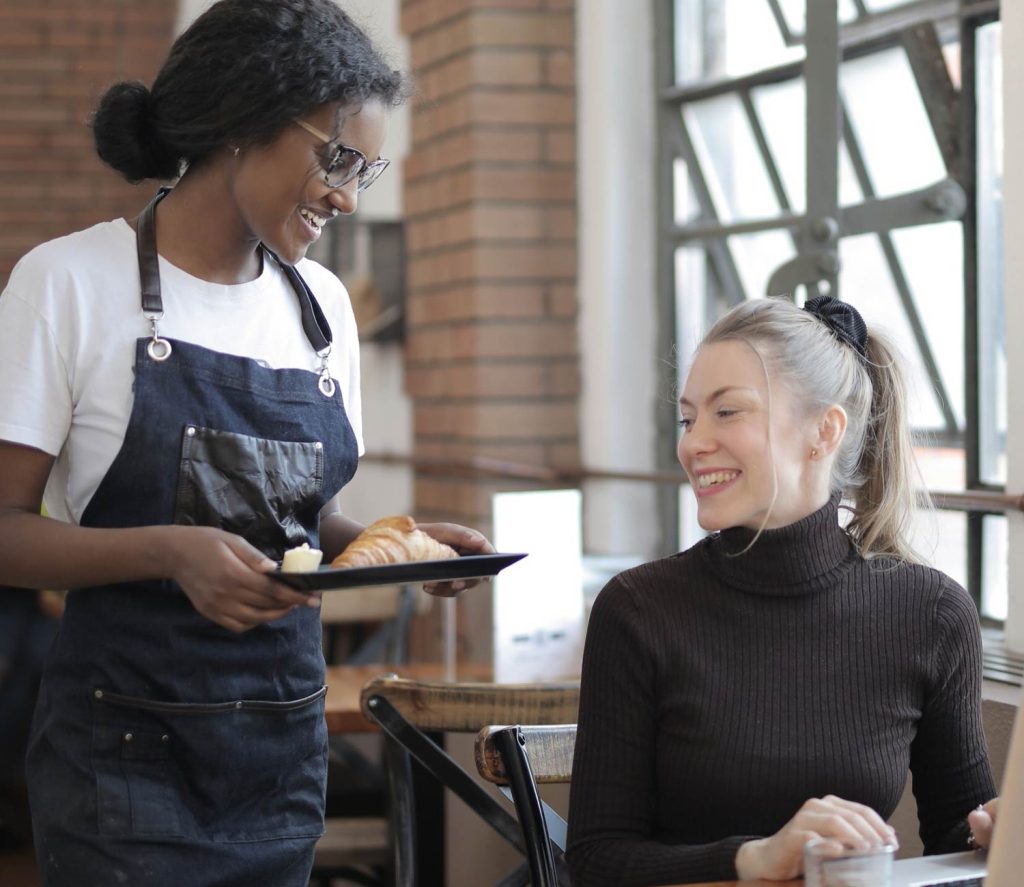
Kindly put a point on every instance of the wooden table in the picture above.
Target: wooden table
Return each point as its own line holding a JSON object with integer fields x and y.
{"x": 345, "y": 683}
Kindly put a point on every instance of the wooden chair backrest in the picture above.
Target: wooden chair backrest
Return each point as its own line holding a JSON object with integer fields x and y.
{"x": 466, "y": 707}
{"x": 550, "y": 749}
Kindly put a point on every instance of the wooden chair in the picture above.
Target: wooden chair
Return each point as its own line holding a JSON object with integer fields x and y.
{"x": 408, "y": 710}
{"x": 517, "y": 759}
{"x": 356, "y": 845}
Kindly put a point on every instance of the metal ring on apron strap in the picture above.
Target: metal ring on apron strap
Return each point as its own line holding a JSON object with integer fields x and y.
{"x": 158, "y": 349}
{"x": 326, "y": 383}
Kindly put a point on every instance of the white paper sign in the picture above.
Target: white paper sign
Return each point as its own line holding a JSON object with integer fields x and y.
{"x": 538, "y": 602}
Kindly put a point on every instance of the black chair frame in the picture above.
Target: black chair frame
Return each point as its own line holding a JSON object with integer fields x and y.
{"x": 406, "y": 742}
{"x": 542, "y": 827}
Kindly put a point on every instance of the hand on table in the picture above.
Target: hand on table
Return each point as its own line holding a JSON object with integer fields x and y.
{"x": 465, "y": 541}
{"x": 843, "y": 823}
{"x": 982, "y": 821}
{"x": 226, "y": 578}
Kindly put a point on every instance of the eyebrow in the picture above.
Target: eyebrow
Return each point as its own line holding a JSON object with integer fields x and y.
{"x": 717, "y": 393}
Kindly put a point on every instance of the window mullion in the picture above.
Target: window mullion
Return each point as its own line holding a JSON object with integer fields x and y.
{"x": 780, "y": 19}
{"x": 821, "y": 84}
{"x": 940, "y": 97}
{"x": 721, "y": 255}
{"x": 900, "y": 280}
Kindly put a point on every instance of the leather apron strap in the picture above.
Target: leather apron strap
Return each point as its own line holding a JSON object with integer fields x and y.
{"x": 314, "y": 322}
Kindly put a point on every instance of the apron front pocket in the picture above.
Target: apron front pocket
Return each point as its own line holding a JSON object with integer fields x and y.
{"x": 134, "y": 786}
{"x": 267, "y": 491}
{"x": 246, "y": 770}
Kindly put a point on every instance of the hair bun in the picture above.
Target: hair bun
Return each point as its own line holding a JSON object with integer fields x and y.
{"x": 843, "y": 319}
{"x": 126, "y": 136}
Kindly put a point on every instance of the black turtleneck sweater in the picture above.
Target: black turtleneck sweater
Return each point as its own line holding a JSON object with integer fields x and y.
{"x": 720, "y": 692}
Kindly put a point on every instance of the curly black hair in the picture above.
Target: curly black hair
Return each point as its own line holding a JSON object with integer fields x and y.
{"x": 239, "y": 75}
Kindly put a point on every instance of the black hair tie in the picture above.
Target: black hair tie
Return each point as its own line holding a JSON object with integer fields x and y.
{"x": 844, "y": 320}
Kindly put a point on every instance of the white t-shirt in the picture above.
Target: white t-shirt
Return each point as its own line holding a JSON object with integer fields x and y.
{"x": 70, "y": 317}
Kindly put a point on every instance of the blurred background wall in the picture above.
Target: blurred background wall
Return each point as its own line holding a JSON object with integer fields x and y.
{"x": 55, "y": 60}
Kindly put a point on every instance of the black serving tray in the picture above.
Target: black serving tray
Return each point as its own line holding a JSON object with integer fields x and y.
{"x": 471, "y": 566}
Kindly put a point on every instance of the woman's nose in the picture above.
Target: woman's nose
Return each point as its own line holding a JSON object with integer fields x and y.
{"x": 346, "y": 198}
{"x": 695, "y": 440}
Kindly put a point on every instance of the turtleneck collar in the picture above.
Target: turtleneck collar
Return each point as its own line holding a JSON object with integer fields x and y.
{"x": 800, "y": 558}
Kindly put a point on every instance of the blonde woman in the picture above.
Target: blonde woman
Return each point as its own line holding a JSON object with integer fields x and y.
{"x": 774, "y": 683}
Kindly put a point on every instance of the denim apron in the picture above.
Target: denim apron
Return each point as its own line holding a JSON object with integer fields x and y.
{"x": 168, "y": 751}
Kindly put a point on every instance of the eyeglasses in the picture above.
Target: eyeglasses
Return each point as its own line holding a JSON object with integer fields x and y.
{"x": 345, "y": 163}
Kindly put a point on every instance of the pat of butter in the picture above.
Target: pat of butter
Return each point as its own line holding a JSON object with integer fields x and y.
{"x": 302, "y": 559}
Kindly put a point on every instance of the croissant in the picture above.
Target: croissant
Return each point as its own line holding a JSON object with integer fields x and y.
{"x": 392, "y": 540}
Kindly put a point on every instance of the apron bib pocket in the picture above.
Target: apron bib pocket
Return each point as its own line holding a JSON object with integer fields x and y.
{"x": 246, "y": 770}
{"x": 264, "y": 490}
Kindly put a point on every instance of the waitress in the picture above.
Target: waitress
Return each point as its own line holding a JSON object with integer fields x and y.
{"x": 182, "y": 391}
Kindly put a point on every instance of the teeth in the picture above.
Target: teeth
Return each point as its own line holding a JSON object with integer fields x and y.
{"x": 317, "y": 221}
{"x": 716, "y": 477}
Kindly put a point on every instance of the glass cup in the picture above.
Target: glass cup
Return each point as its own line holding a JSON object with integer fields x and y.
{"x": 823, "y": 867}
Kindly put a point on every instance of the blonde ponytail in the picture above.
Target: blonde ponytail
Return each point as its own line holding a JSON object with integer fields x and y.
{"x": 883, "y": 496}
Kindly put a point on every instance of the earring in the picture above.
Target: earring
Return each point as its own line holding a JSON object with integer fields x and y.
{"x": 234, "y": 150}
{"x": 814, "y": 453}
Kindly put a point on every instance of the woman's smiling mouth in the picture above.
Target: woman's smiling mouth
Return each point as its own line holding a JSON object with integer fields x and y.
{"x": 314, "y": 220}
{"x": 714, "y": 481}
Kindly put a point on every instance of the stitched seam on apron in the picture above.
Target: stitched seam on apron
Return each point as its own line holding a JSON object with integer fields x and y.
{"x": 203, "y": 708}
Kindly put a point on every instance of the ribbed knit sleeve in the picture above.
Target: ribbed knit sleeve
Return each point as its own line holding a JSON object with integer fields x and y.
{"x": 611, "y": 840}
{"x": 949, "y": 756}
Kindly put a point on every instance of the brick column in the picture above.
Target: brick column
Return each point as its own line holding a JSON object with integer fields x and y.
{"x": 56, "y": 59}
{"x": 490, "y": 202}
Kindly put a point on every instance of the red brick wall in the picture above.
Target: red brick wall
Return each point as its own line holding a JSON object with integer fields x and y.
{"x": 56, "y": 58}
{"x": 490, "y": 204}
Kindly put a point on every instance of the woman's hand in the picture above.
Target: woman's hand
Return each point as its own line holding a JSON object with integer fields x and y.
{"x": 982, "y": 821}
{"x": 464, "y": 541}
{"x": 844, "y": 823}
{"x": 226, "y": 578}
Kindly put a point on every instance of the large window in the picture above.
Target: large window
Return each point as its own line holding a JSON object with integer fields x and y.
{"x": 917, "y": 179}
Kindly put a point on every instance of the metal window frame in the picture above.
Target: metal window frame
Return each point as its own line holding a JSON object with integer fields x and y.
{"x": 969, "y": 26}
{"x": 914, "y": 28}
